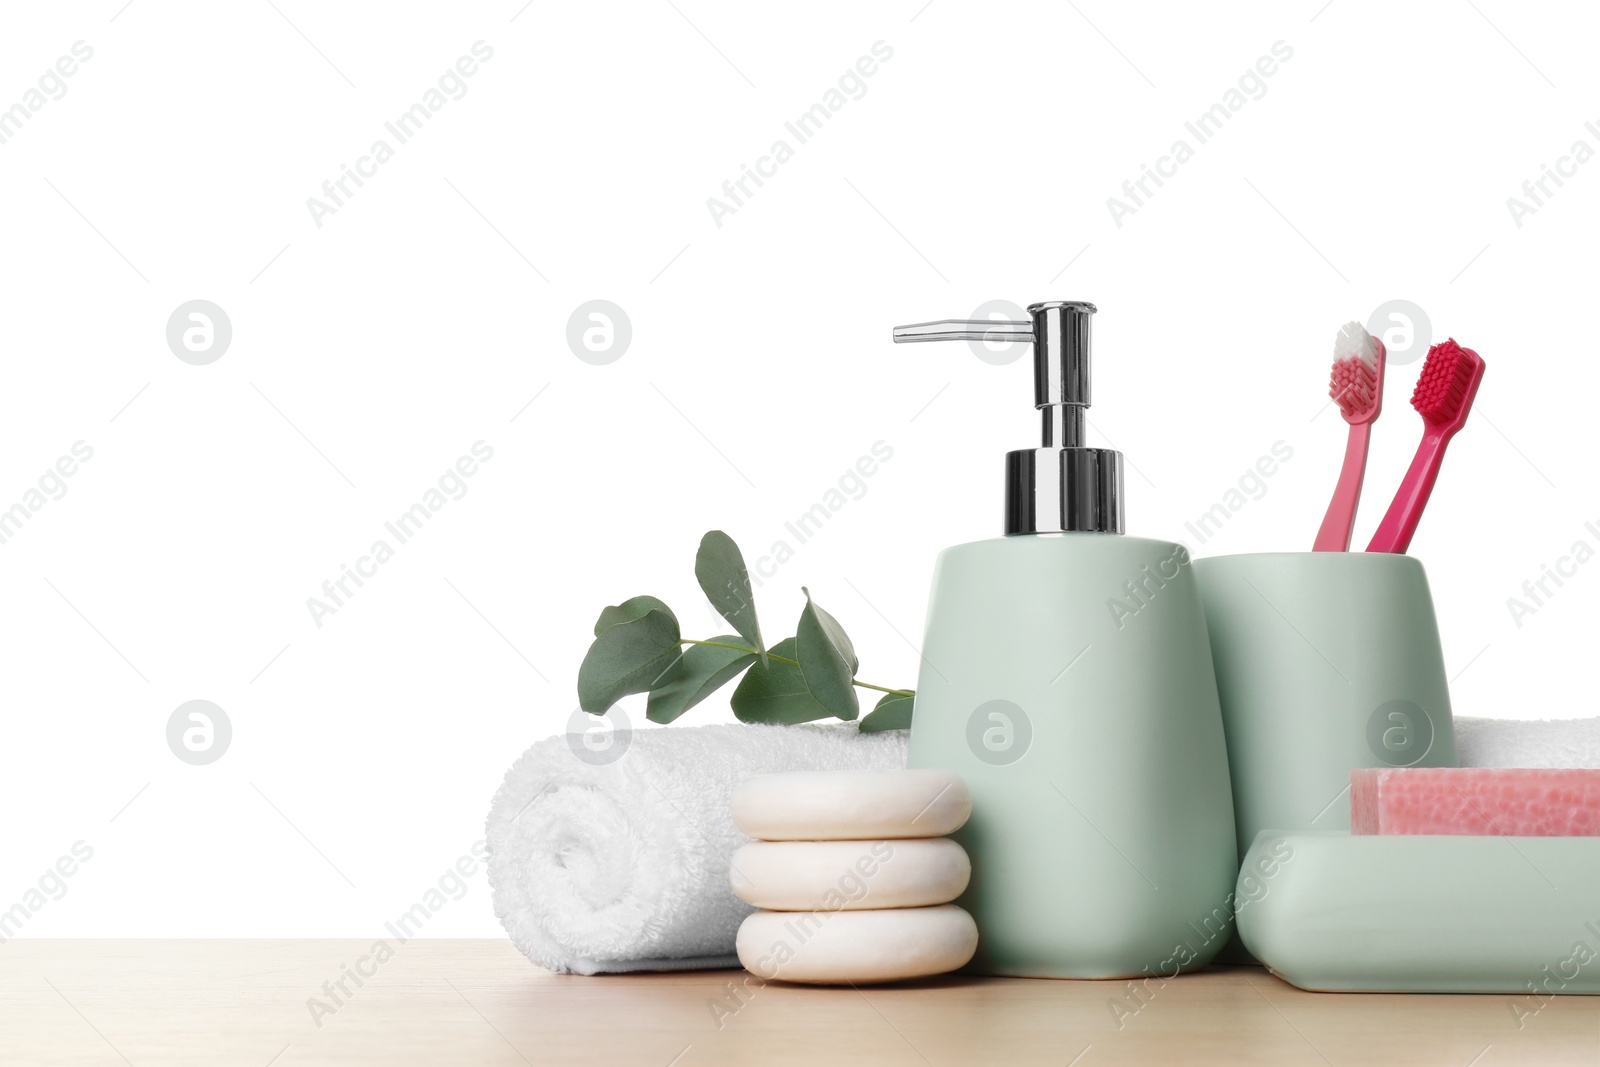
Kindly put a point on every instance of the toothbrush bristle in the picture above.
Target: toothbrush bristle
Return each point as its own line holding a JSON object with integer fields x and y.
{"x": 1442, "y": 387}
{"x": 1354, "y": 341}
{"x": 1354, "y": 382}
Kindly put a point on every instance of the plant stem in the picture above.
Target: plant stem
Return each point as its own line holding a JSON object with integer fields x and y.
{"x": 792, "y": 663}
{"x": 739, "y": 648}
{"x": 881, "y": 689}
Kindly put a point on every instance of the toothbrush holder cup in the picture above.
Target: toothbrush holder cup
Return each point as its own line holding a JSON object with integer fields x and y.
{"x": 1325, "y": 662}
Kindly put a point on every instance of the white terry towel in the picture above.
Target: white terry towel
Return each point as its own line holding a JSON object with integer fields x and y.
{"x": 1528, "y": 743}
{"x": 624, "y": 866}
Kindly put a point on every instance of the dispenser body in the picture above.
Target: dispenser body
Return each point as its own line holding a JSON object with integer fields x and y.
{"x": 1068, "y": 678}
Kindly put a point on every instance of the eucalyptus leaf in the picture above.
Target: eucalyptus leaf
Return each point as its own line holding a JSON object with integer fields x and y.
{"x": 827, "y": 660}
{"x": 637, "y": 651}
{"x": 705, "y": 669}
{"x": 777, "y": 692}
{"x": 628, "y": 611}
{"x": 892, "y": 713}
{"x": 719, "y": 567}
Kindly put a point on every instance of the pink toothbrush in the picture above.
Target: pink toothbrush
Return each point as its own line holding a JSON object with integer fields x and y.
{"x": 1443, "y": 397}
{"x": 1357, "y": 387}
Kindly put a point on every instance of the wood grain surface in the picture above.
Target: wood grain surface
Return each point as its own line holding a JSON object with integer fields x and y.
{"x": 480, "y": 1003}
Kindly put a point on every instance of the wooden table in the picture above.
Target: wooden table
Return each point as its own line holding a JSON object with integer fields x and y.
{"x": 481, "y": 1004}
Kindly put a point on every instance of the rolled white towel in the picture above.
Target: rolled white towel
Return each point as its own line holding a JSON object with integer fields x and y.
{"x": 623, "y": 866}
{"x": 1528, "y": 743}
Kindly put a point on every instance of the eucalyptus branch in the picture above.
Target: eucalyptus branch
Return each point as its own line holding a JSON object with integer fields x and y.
{"x": 639, "y": 648}
{"x": 793, "y": 663}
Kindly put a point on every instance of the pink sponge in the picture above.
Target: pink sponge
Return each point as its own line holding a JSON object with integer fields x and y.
{"x": 1510, "y": 802}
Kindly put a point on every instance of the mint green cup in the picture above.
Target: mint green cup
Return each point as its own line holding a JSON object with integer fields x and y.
{"x": 1325, "y": 662}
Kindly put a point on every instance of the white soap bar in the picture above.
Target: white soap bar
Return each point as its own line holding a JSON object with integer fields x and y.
{"x": 849, "y": 875}
{"x": 834, "y": 948}
{"x": 851, "y": 805}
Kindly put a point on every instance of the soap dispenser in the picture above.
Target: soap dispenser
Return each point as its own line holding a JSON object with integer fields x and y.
{"x": 1066, "y": 675}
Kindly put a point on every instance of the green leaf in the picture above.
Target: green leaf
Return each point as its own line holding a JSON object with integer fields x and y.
{"x": 892, "y": 713}
{"x": 705, "y": 669}
{"x": 777, "y": 692}
{"x": 827, "y": 660}
{"x": 637, "y": 649}
{"x": 719, "y": 567}
{"x": 628, "y": 611}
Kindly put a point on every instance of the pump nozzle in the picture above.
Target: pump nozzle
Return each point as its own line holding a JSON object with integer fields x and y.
{"x": 965, "y": 330}
{"x": 1062, "y": 485}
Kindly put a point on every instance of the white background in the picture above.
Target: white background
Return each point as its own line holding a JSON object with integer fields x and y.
{"x": 368, "y": 354}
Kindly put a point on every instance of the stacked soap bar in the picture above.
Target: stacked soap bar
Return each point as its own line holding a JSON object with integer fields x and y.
{"x": 854, "y": 875}
{"x": 1509, "y": 802}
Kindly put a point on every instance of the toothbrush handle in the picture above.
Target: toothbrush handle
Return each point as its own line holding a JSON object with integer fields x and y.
{"x": 1341, "y": 518}
{"x": 1400, "y": 522}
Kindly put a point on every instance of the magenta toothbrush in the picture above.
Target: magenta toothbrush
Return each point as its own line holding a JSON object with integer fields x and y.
{"x": 1443, "y": 397}
{"x": 1356, "y": 385}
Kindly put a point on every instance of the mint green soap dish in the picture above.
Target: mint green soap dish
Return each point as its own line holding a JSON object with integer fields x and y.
{"x": 1329, "y": 911}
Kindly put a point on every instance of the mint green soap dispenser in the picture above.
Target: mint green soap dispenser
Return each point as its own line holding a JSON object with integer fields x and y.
{"x": 1067, "y": 677}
